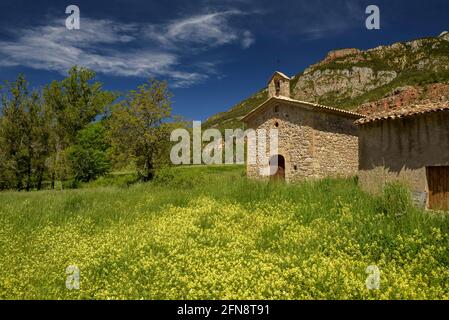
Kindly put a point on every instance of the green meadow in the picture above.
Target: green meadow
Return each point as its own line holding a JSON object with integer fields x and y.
{"x": 209, "y": 233}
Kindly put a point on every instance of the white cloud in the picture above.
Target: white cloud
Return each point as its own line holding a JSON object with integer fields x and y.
{"x": 125, "y": 49}
{"x": 206, "y": 30}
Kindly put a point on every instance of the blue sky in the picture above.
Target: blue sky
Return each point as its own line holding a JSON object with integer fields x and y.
{"x": 213, "y": 53}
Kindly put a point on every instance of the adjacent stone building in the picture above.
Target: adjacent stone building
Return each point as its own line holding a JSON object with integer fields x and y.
{"x": 315, "y": 141}
{"x": 410, "y": 146}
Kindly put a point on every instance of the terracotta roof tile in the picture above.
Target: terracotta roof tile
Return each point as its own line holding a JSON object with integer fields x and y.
{"x": 404, "y": 112}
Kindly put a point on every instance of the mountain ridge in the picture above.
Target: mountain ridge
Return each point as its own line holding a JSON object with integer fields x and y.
{"x": 387, "y": 76}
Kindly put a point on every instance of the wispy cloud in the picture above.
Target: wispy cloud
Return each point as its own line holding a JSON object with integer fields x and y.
{"x": 126, "y": 50}
{"x": 200, "y": 31}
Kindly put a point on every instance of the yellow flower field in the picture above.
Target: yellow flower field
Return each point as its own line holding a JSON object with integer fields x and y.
{"x": 211, "y": 234}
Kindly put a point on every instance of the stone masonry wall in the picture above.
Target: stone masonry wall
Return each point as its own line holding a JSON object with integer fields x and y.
{"x": 284, "y": 87}
{"x": 315, "y": 144}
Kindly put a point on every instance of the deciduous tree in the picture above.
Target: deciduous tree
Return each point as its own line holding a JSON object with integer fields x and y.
{"x": 137, "y": 127}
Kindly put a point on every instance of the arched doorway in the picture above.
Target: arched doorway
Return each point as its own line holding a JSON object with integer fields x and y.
{"x": 277, "y": 168}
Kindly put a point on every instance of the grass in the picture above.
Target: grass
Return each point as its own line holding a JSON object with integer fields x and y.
{"x": 209, "y": 233}
{"x": 118, "y": 179}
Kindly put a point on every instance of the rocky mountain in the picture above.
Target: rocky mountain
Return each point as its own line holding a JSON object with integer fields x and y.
{"x": 376, "y": 79}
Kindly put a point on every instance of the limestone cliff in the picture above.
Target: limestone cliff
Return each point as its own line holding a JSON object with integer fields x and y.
{"x": 383, "y": 77}
{"x": 349, "y": 78}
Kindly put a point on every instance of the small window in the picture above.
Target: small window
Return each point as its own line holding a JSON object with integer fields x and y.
{"x": 276, "y": 124}
{"x": 295, "y": 167}
{"x": 276, "y": 109}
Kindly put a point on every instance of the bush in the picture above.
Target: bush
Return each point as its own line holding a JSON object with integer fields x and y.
{"x": 88, "y": 158}
{"x": 395, "y": 200}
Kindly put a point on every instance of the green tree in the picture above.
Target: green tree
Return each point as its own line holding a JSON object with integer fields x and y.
{"x": 23, "y": 137}
{"x": 37, "y": 130}
{"x": 89, "y": 157}
{"x": 137, "y": 127}
{"x": 73, "y": 102}
{"x": 14, "y": 131}
{"x": 40, "y": 130}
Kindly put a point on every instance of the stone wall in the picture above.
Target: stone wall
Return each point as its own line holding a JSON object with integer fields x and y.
{"x": 315, "y": 144}
{"x": 284, "y": 87}
{"x": 401, "y": 149}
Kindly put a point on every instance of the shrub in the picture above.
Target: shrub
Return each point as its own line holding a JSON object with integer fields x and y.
{"x": 88, "y": 158}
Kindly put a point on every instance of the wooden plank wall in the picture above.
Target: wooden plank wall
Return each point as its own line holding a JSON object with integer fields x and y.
{"x": 438, "y": 179}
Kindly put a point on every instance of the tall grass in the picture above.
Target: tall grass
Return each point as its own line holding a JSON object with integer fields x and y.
{"x": 208, "y": 232}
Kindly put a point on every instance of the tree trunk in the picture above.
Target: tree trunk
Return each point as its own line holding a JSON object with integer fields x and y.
{"x": 29, "y": 171}
{"x": 40, "y": 177}
{"x": 53, "y": 180}
{"x": 148, "y": 169}
{"x": 19, "y": 182}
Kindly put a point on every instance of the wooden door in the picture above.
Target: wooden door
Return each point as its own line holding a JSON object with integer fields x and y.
{"x": 438, "y": 180}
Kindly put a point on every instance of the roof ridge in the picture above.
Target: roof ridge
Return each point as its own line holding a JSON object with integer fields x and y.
{"x": 331, "y": 108}
{"x": 408, "y": 111}
{"x": 288, "y": 99}
{"x": 283, "y": 75}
